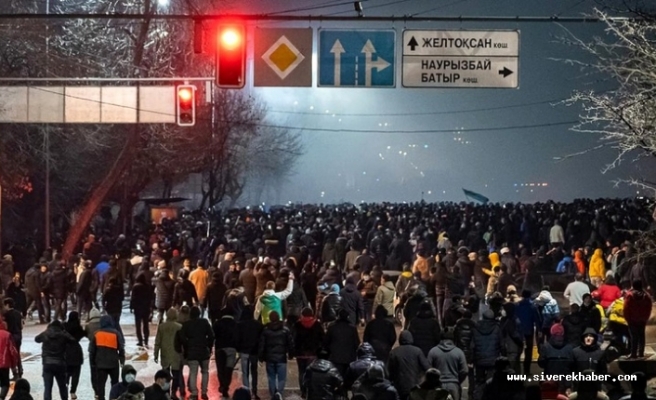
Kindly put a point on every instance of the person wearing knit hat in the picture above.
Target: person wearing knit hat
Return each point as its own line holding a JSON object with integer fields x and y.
{"x": 487, "y": 345}
{"x": 557, "y": 330}
{"x": 556, "y": 355}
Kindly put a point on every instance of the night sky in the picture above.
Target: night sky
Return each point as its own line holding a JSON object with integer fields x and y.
{"x": 387, "y": 165}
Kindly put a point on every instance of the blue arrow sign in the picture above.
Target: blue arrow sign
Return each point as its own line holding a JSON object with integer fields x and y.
{"x": 361, "y": 58}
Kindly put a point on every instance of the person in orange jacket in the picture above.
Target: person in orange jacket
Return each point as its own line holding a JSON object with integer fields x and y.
{"x": 579, "y": 261}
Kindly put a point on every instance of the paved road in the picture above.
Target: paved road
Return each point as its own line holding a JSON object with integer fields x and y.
{"x": 147, "y": 368}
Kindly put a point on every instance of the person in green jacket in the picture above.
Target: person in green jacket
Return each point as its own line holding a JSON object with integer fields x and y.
{"x": 165, "y": 351}
{"x": 272, "y": 300}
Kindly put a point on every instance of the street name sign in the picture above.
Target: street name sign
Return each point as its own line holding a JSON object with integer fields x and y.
{"x": 460, "y": 59}
{"x": 283, "y": 57}
{"x": 357, "y": 58}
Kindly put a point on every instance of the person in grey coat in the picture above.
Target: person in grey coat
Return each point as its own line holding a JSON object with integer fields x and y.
{"x": 406, "y": 365}
{"x": 452, "y": 363}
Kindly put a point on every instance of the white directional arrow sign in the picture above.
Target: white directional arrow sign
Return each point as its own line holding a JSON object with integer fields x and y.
{"x": 380, "y": 64}
{"x": 337, "y": 51}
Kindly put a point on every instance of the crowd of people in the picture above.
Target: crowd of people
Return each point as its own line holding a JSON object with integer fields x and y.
{"x": 465, "y": 282}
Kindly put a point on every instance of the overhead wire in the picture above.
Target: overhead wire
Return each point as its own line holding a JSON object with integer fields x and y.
{"x": 366, "y": 8}
{"x": 333, "y": 3}
{"x": 439, "y": 7}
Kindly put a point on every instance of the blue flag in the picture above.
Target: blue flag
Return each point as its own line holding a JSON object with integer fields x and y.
{"x": 475, "y": 196}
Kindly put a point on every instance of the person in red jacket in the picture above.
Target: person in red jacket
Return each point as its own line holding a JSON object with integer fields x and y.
{"x": 608, "y": 292}
{"x": 637, "y": 309}
{"x": 8, "y": 358}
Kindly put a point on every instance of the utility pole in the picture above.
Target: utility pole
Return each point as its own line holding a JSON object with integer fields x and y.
{"x": 46, "y": 143}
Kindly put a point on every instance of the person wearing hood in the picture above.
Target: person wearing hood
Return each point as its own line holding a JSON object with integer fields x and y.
{"x": 452, "y": 363}
{"x": 276, "y": 344}
{"x": 499, "y": 384}
{"x": 165, "y": 349}
{"x": 308, "y": 338}
{"x": 487, "y": 347}
{"x": 403, "y": 281}
{"x": 425, "y": 329}
{"x": 128, "y": 375}
{"x": 200, "y": 278}
{"x": 381, "y": 333}
{"x": 270, "y": 300}
{"x": 416, "y": 296}
{"x": 160, "y": 389}
{"x": 565, "y": 266}
{"x": 637, "y": 309}
{"x": 430, "y": 388}
{"x": 342, "y": 342}
{"x": 373, "y": 385}
{"x": 106, "y": 354}
{"x": 366, "y": 359}
{"x": 597, "y": 269}
{"x": 556, "y": 355}
{"x": 140, "y": 301}
{"x": 74, "y": 354}
{"x": 21, "y": 390}
{"x": 214, "y": 296}
{"x": 352, "y": 302}
{"x": 184, "y": 291}
{"x": 574, "y": 325}
{"x": 321, "y": 380}
{"x": 579, "y": 261}
{"x": 406, "y": 365}
{"x": 589, "y": 354}
{"x": 550, "y": 310}
{"x": 249, "y": 331}
{"x": 530, "y": 323}
{"x": 226, "y": 343}
{"x": 591, "y": 313}
{"x": 14, "y": 321}
{"x": 331, "y": 305}
{"x": 53, "y": 354}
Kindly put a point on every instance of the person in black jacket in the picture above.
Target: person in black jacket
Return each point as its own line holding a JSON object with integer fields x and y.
{"x": 60, "y": 290}
{"x": 214, "y": 296}
{"x": 590, "y": 313}
{"x": 74, "y": 354}
{"x": 352, "y": 302}
{"x": 589, "y": 354}
{"x": 140, "y": 301}
{"x": 366, "y": 359}
{"x": 416, "y": 297}
{"x": 54, "y": 342}
{"x": 381, "y": 334}
{"x": 113, "y": 300}
{"x": 226, "y": 343}
{"x": 463, "y": 337}
{"x": 276, "y": 343}
{"x": 556, "y": 356}
{"x": 308, "y": 338}
{"x": 574, "y": 324}
{"x": 406, "y": 365}
{"x": 488, "y": 346}
{"x": 330, "y": 305}
{"x": 295, "y": 304}
{"x": 14, "y": 320}
{"x": 184, "y": 291}
{"x": 160, "y": 388}
{"x": 321, "y": 379}
{"x": 195, "y": 340}
{"x": 342, "y": 342}
{"x": 249, "y": 331}
{"x": 16, "y": 292}
{"x": 499, "y": 384}
{"x": 164, "y": 287}
{"x": 425, "y": 329}
{"x": 373, "y": 385}
{"x": 45, "y": 287}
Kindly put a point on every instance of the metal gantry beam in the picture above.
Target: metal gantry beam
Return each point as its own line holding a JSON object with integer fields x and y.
{"x": 314, "y": 18}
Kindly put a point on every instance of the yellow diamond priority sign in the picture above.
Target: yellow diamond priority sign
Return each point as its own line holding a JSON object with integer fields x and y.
{"x": 283, "y": 57}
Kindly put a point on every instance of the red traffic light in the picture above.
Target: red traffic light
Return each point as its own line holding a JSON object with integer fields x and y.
{"x": 231, "y": 56}
{"x": 185, "y": 94}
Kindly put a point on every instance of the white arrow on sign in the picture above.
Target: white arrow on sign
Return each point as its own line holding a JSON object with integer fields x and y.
{"x": 380, "y": 64}
{"x": 338, "y": 50}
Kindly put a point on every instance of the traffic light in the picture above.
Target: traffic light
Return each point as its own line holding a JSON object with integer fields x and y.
{"x": 231, "y": 57}
{"x": 186, "y": 105}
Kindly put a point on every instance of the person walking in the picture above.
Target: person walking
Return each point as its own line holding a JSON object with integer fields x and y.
{"x": 9, "y": 357}
{"x": 270, "y": 300}
{"x": 165, "y": 350}
{"x": 308, "y": 338}
{"x": 140, "y": 300}
{"x": 14, "y": 320}
{"x": 276, "y": 343}
{"x": 342, "y": 342}
{"x": 425, "y": 329}
{"x": 452, "y": 363}
{"x": 487, "y": 347}
{"x": 53, "y": 354}
{"x": 380, "y": 333}
{"x": 249, "y": 331}
{"x": 637, "y": 309}
{"x": 195, "y": 342}
{"x": 530, "y": 324}
{"x": 226, "y": 343}
{"x": 106, "y": 354}
{"x": 406, "y": 365}
{"x": 430, "y": 388}
{"x": 321, "y": 380}
{"x": 60, "y": 287}
{"x": 214, "y": 295}
{"x": 385, "y": 295}
{"x": 74, "y": 354}
{"x": 113, "y": 300}
{"x": 200, "y": 278}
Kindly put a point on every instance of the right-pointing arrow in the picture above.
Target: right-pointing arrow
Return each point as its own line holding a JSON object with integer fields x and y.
{"x": 505, "y": 72}
{"x": 413, "y": 43}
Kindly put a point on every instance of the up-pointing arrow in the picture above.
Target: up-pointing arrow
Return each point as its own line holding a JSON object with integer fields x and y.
{"x": 380, "y": 64}
{"x": 413, "y": 43}
{"x": 505, "y": 72}
{"x": 337, "y": 51}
